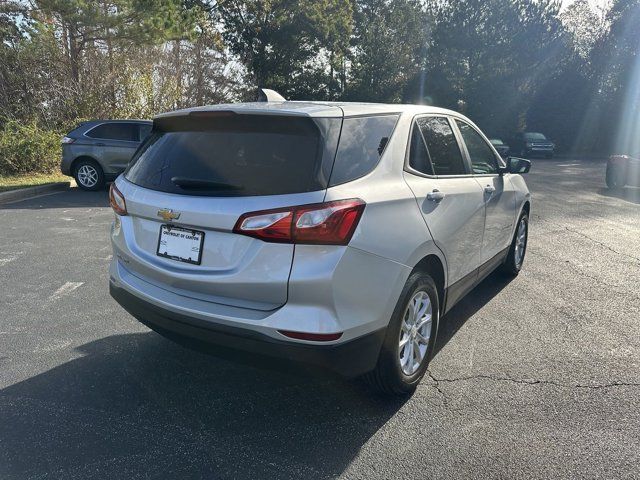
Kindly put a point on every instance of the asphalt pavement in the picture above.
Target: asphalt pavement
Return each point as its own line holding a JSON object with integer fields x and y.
{"x": 534, "y": 378}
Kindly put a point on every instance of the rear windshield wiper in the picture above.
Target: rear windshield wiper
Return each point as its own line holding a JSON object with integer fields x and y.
{"x": 199, "y": 184}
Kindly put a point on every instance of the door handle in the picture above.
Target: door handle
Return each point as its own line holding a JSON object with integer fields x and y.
{"x": 435, "y": 196}
{"x": 489, "y": 189}
{"x": 100, "y": 145}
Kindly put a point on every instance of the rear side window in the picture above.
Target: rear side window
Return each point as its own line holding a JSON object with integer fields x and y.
{"x": 418, "y": 155}
{"x": 482, "y": 158}
{"x": 442, "y": 146}
{"x": 115, "y": 131}
{"x": 362, "y": 143}
{"x": 235, "y": 155}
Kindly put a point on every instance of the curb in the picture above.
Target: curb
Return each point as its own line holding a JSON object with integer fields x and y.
{"x": 24, "y": 193}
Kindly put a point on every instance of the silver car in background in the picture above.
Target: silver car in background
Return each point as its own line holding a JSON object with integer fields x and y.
{"x": 98, "y": 151}
{"x": 332, "y": 233}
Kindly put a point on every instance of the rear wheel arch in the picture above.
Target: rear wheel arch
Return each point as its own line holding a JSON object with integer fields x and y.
{"x": 433, "y": 265}
{"x": 525, "y": 208}
{"x": 80, "y": 158}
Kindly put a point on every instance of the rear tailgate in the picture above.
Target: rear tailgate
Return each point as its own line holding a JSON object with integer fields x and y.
{"x": 241, "y": 169}
{"x": 235, "y": 269}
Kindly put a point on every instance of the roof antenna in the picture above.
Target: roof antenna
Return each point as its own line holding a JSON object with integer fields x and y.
{"x": 267, "y": 95}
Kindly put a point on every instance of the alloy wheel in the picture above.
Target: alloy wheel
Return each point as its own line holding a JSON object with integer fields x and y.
{"x": 88, "y": 176}
{"x": 415, "y": 331}
{"x": 521, "y": 242}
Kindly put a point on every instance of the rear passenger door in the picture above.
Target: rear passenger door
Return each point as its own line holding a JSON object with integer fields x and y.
{"x": 450, "y": 199}
{"x": 115, "y": 144}
{"x": 499, "y": 194}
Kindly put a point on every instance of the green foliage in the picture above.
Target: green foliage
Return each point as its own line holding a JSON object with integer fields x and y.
{"x": 487, "y": 58}
{"x": 510, "y": 65}
{"x": 28, "y": 148}
{"x": 389, "y": 45}
{"x": 295, "y": 47}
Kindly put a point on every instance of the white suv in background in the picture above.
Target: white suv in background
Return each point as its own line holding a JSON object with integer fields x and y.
{"x": 331, "y": 233}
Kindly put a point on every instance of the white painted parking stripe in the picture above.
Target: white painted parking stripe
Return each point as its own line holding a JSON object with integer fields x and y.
{"x": 9, "y": 258}
{"x": 5, "y": 260}
{"x": 65, "y": 289}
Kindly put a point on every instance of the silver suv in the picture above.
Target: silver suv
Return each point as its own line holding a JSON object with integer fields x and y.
{"x": 98, "y": 151}
{"x": 332, "y": 233}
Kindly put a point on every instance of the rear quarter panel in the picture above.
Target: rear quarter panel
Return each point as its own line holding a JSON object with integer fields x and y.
{"x": 73, "y": 151}
{"x": 392, "y": 226}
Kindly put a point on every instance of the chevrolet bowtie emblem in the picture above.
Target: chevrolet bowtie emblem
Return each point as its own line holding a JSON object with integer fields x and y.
{"x": 167, "y": 214}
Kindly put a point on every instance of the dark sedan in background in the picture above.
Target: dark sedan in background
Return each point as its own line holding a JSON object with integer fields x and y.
{"x": 623, "y": 170}
{"x": 98, "y": 151}
{"x": 501, "y": 147}
{"x": 531, "y": 144}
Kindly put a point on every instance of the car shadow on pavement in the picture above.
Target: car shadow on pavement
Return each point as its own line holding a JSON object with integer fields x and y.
{"x": 468, "y": 306}
{"x": 71, "y": 198}
{"x": 629, "y": 194}
{"x": 137, "y": 405}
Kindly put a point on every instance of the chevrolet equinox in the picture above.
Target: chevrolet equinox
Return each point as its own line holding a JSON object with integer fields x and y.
{"x": 336, "y": 234}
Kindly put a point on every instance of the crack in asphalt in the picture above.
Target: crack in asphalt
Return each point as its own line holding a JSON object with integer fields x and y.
{"x": 525, "y": 381}
{"x": 601, "y": 243}
{"x": 436, "y": 385}
{"x": 538, "y": 217}
{"x": 580, "y": 271}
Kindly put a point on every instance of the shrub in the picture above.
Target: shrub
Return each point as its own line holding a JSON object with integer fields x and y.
{"x": 27, "y": 148}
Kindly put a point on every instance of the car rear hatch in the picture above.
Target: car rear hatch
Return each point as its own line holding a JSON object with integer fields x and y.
{"x": 196, "y": 174}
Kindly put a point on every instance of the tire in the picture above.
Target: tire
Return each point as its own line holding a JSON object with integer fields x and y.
{"x": 615, "y": 178}
{"x": 390, "y": 376}
{"x": 515, "y": 258}
{"x": 89, "y": 175}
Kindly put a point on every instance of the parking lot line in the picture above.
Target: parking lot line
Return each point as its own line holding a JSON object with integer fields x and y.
{"x": 65, "y": 289}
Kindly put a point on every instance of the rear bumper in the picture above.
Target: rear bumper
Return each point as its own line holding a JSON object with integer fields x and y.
{"x": 66, "y": 161}
{"x": 350, "y": 358}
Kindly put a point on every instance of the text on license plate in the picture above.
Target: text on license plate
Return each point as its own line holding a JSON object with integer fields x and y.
{"x": 182, "y": 244}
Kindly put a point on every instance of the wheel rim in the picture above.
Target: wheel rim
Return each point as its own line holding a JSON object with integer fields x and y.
{"x": 521, "y": 243}
{"x": 415, "y": 331}
{"x": 88, "y": 175}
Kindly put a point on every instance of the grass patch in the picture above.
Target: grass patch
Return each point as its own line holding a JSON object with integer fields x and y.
{"x": 14, "y": 182}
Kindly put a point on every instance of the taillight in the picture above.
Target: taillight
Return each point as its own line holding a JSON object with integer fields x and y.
{"x": 116, "y": 200}
{"x": 329, "y": 223}
{"x": 67, "y": 140}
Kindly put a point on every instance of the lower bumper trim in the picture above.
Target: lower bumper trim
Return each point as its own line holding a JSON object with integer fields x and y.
{"x": 349, "y": 359}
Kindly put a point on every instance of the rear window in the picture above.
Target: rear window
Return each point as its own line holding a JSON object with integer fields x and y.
{"x": 236, "y": 155}
{"x": 362, "y": 143}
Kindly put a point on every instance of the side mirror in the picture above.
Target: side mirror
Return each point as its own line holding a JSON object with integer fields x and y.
{"x": 517, "y": 165}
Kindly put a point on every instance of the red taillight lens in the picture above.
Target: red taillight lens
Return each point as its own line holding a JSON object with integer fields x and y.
{"x": 329, "y": 223}
{"x": 116, "y": 200}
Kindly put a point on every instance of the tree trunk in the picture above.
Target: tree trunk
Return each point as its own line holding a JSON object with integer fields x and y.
{"x": 74, "y": 54}
{"x": 177, "y": 63}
